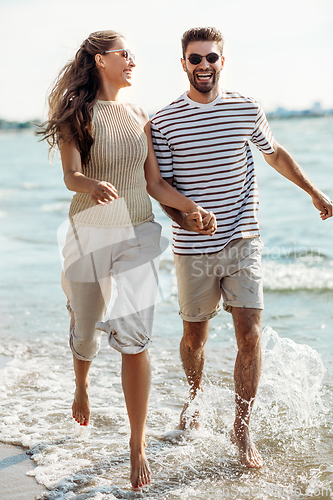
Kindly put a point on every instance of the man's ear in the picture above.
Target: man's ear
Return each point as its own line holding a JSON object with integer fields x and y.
{"x": 183, "y": 64}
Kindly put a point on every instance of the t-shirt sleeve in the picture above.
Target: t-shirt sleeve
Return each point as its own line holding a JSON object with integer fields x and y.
{"x": 262, "y": 135}
{"x": 162, "y": 151}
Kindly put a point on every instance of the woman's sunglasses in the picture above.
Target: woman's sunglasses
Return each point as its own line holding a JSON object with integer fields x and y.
{"x": 126, "y": 53}
{"x": 197, "y": 58}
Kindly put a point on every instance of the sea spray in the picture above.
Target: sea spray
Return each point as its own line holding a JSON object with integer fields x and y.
{"x": 289, "y": 395}
{"x": 288, "y": 411}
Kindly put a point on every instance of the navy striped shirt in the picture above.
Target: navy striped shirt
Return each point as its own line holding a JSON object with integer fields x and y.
{"x": 205, "y": 149}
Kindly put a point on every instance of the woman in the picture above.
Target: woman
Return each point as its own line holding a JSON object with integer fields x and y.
{"x": 108, "y": 160}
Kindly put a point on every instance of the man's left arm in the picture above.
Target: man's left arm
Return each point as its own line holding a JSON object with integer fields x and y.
{"x": 285, "y": 164}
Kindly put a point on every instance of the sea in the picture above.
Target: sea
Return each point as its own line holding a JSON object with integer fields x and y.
{"x": 292, "y": 422}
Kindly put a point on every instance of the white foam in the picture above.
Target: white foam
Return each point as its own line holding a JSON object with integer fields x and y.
{"x": 297, "y": 276}
{"x": 36, "y": 396}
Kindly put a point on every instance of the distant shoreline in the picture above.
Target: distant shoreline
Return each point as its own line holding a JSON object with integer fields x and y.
{"x": 276, "y": 115}
{"x": 282, "y": 114}
{"x": 11, "y": 125}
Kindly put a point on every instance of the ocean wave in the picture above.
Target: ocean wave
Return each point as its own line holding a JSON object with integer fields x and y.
{"x": 5, "y": 193}
{"x": 313, "y": 254}
{"x": 279, "y": 275}
{"x": 56, "y": 207}
{"x": 30, "y": 185}
{"x": 297, "y": 275}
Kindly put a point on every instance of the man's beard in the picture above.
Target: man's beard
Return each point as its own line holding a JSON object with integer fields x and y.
{"x": 203, "y": 87}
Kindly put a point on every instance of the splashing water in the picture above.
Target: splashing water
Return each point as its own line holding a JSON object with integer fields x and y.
{"x": 289, "y": 396}
{"x": 289, "y": 427}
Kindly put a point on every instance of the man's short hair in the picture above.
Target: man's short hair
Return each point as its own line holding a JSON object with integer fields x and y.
{"x": 202, "y": 34}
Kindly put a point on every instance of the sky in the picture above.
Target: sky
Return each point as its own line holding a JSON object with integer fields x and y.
{"x": 278, "y": 51}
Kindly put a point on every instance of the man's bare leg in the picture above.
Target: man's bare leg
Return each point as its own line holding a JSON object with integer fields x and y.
{"x": 247, "y": 374}
{"x": 81, "y": 407}
{"x": 192, "y": 353}
{"x": 136, "y": 386}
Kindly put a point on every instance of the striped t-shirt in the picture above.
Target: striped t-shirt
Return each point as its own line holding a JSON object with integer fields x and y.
{"x": 205, "y": 148}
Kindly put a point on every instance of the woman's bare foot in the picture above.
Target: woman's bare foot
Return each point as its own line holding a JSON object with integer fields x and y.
{"x": 140, "y": 471}
{"x": 81, "y": 406}
{"x": 248, "y": 453}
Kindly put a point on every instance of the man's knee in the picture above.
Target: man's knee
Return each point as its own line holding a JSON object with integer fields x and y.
{"x": 247, "y": 327}
{"x": 249, "y": 339}
{"x": 195, "y": 334}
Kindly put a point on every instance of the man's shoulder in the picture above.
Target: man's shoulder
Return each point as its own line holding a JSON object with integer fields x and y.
{"x": 176, "y": 105}
{"x": 232, "y": 97}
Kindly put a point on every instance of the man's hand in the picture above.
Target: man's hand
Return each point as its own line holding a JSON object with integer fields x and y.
{"x": 323, "y": 204}
{"x": 199, "y": 221}
{"x": 202, "y": 222}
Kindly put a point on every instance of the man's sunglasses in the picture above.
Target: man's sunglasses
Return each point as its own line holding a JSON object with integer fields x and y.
{"x": 125, "y": 52}
{"x": 197, "y": 58}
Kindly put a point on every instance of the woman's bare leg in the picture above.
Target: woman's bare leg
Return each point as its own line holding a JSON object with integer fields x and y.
{"x": 136, "y": 379}
{"x": 81, "y": 407}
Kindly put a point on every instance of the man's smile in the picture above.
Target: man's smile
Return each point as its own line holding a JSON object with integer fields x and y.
{"x": 203, "y": 76}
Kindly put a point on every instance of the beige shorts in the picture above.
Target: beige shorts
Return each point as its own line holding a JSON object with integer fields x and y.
{"x": 234, "y": 272}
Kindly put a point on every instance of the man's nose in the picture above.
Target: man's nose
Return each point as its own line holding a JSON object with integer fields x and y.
{"x": 204, "y": 63}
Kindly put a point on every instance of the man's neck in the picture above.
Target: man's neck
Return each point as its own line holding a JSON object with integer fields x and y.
{"x": 203, "y": 98}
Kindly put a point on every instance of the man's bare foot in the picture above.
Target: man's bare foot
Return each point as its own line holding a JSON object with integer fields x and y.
{"x": 248, "y": 453}
{"x": 81, "y": 406}
{"x": 189, "y": 421}
{"x": 140, "y": 471}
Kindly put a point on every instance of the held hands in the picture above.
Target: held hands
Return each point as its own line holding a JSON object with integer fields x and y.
{"x": 323, "y": 204}
{"x": 201, "y": 221}
{"x": 103, "y": 192}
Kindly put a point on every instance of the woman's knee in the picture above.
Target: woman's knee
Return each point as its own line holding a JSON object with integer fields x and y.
{"x": 84, "y": 340}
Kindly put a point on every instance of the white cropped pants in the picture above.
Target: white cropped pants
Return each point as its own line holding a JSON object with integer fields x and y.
{"x": 92, "y": 257}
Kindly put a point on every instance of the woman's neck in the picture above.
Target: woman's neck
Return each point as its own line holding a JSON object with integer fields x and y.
{"x": 108, "y": 93}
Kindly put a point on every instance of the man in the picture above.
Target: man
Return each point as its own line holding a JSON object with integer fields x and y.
{"x": 202, "y": 145}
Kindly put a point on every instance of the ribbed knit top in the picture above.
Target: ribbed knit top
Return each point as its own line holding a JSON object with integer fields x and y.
{"x": 117, "y": 156}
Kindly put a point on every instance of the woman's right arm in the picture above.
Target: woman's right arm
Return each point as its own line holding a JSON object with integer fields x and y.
{"x": 101, "y": 192}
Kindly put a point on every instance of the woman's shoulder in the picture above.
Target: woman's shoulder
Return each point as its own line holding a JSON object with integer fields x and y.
{"x": 139, "y": 114}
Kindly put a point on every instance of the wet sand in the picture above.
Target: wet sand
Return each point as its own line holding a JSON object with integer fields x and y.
{"x": 14, "y": 464}
{"x": 14, "y": 483}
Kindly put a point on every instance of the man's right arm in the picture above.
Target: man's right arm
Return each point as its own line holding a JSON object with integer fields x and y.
{"x": 207, "y": 225}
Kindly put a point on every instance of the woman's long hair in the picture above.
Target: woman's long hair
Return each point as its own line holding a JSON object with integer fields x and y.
{"x": 73, "y": 95}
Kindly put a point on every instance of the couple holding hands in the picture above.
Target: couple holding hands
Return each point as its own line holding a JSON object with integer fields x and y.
{"x": 194, "y": 158}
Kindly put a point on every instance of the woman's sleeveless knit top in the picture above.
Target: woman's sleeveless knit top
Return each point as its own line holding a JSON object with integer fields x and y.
{"x": 117, "y": 156}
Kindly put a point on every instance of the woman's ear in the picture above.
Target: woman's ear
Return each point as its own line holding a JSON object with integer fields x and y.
{"x": 99, "y": 61}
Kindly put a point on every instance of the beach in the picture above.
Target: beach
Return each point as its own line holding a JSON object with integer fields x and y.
{"x": 14, "y": 465}
{"x": 14, "y": 482}
{"x": 292, "y": 423}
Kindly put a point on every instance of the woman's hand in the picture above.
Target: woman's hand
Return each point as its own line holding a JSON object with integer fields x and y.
{"x": 102, "y": 192}
{"x": 201, "y": 221}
